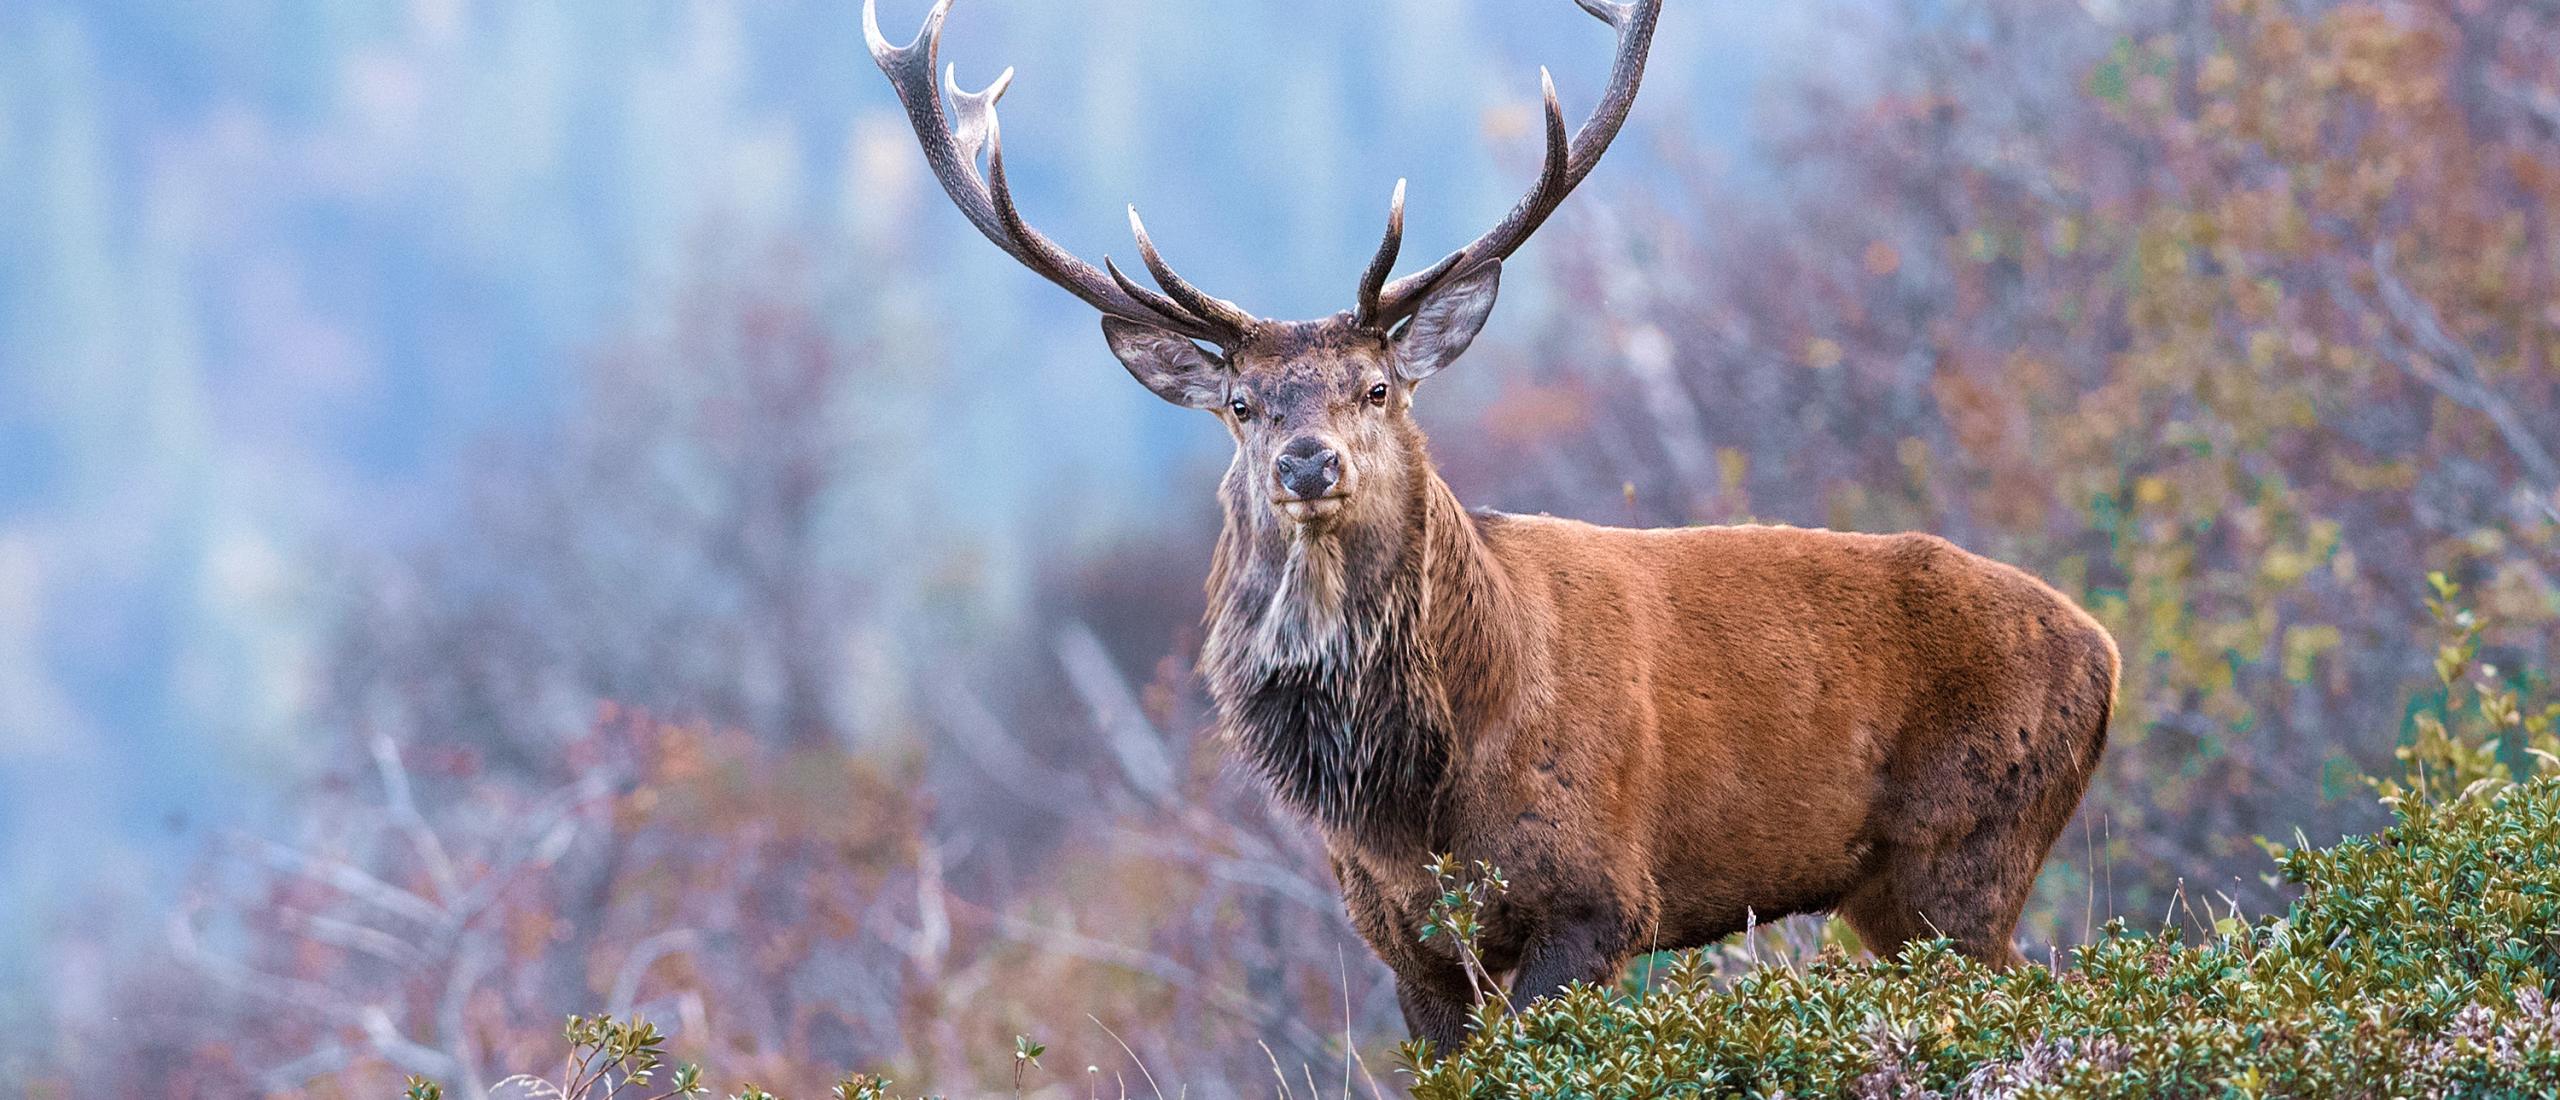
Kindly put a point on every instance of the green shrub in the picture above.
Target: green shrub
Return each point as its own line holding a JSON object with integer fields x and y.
{"x": 2419, "y": 961}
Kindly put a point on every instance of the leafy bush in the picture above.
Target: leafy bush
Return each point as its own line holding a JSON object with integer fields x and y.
{"x": 2420, "y": 961}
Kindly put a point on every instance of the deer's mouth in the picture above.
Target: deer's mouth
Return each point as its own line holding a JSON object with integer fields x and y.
{"x": 1312, "y": 509}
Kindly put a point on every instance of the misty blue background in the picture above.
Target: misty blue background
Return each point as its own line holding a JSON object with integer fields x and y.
{"x": 272, "y": 272}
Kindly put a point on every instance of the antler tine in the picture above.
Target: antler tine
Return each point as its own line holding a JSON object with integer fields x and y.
{"x": 1610, "y": 12}
{"x": 1038, "y": 252}
{"x": 930, "y": 37}
{"x": 1566, "y": 163}
{"x": 1215, "y": 310}
{"x": 976, "y": 126}
{"x": 1154, "y": 299}
{"x": 952, "y": 150}
{"x": 1559, "y": 155}
{"x": 1383, "y": 264}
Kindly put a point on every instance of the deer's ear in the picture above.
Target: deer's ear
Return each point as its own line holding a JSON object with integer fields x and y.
{"x": 1447, "y": 322}
{"x": 1167, "y": 362}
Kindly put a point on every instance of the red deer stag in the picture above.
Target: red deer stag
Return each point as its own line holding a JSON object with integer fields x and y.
{"x": 1657, "y": 734}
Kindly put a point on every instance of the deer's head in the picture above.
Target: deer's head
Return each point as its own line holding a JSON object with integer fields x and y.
{"x": 1318, "y": 408}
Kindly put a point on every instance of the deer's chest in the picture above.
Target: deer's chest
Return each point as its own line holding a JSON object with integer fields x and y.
{"x": 1360, "y": 745}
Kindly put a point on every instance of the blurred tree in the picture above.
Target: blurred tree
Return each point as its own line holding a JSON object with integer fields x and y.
{"x": 707, "y": 534}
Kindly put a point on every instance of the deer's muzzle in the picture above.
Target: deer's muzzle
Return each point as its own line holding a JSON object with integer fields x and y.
{"x": 1308, "y": 479}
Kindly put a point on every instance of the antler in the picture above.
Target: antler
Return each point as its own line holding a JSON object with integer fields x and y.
{"x": 1566, "y": 165}
{"x": 952, "y": 151}
{"x": 1374, "y": 281}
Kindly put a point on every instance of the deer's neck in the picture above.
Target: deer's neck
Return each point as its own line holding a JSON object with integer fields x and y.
{"x": 1348, "y": 664}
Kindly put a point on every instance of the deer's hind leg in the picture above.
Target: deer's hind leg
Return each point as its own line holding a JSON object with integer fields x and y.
{"x": 1965, "y": 875}
{"x": 1966, "y": 892}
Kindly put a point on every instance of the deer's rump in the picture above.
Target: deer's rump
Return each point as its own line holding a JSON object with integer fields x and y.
{"x": 1753, "y": 721}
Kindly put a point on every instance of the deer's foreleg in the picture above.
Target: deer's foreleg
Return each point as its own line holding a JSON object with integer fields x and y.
{"x": 1580, "y": 940}
{"x": 1431, "y": 984}
{"x": 1435, "y": 1000}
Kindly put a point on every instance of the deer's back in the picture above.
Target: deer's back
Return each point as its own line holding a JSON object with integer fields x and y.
{"x": 1873, "y": 623}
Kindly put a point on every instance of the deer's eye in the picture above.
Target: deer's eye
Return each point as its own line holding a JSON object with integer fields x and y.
{"x": 1243, "y": 411}
{"x": 1378, "y": 395}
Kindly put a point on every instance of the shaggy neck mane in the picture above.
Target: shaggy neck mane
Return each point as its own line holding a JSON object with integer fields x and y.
{"x": 1345, "y": 663}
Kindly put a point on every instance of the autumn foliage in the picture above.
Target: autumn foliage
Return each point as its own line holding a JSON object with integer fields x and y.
{"x": 2235, "y": 320}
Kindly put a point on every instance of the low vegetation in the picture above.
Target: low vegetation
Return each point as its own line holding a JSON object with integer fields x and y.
{"x": 2418, "y": 961}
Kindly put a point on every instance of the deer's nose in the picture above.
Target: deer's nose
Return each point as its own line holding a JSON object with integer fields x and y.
{"x": 1307, "y": 469}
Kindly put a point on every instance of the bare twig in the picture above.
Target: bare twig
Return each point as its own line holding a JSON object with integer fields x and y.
{"x": 635, "y": 966}
{"x": 356, "y": 937}
{"x": 407, "y": 1053}
{"x": 352, "y": 881}
{"x": 2539, "y": 106}
{"x": 296, "y": 1075}
{"x": 471, "y": 960}
{"x": 553, "y": 828}
{"x": 404, "y": 813}
{"x": 1134, "y": 740}
{"x": 2449, "y": 366}
{"x": 1262, "y": 869}
{"x": 979, "y": 735}
{"x": 285, "y": 992}
{"x": 933, "y": 913}
{"x": 1078, "y": 945}
{"x": 1276, "y": 1075}
{"x": 1133, "y": 1055}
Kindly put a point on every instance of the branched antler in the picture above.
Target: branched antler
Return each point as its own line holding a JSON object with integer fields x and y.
{"x": 952, "y": 149}
{"x": 1566, "y": 163}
